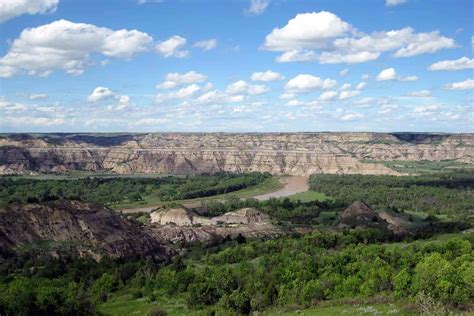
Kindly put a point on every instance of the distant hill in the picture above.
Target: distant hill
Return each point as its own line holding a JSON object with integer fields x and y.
{"x": 190, "y": 153}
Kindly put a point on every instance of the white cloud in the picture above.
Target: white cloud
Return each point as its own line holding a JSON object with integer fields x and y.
{"x": 206, "y": 45}
{"x": 294, "y": 102}
{"x": 463, "y": 85}
{"x": 425, "y": 110}
{"x": 38, "y": 96}
{"x": 12, "y": 8}
{"x": 257, "y": 6}
{"x": 391, "y": 74}
{"x": 172, "y": 47}
{"x": 32, "y": 121}
{"x": 306, "y": 83}
{"x": 352, "y": 58}
{"x": 328, "y": 95}
{"x": 267, "y": 76}
{"x": 7, "y": 106}
{"x": 420, "y": 94}
{"x": 458, "y": 64}
{"x": 340, "y": 42}
{"x": 242, "y": 87}
{"x": 387, "y": 74}
{"x": 306, "y": 30}
{"x": 361, "y": 85}
{"x": 425, "y": 43}
{"x": 405, "y": 41}
{"x": 185, "y": 92}
{"x": 102, "y": 93}
{"x": 351, "y": 116}
{"x": 175, "y": 79}
{"x": 348, "y": 94}
{"x": 344, "y": 72}
{"x": 387, "y": 109}
{"x": 346, "y": 86}
{"x": 392, "y": 3}
{"x": 67, "y": 46}
{"x": 123, "y": 102}
{"x": 365, "y": 102}
{"x": 287, "y": 96}
{"x": 99, "y": 94}
{"x": 296, "y": 56}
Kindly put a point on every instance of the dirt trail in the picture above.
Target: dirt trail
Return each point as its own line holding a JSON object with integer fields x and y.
{"x": 290, "y": 185}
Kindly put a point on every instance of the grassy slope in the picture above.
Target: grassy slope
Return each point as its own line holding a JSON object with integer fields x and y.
{"x": 309, "y": 196}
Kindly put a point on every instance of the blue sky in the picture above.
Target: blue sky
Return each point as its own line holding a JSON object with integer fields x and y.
{"x": 249, "y": 65}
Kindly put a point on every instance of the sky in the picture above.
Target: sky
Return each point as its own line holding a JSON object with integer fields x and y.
{"x": 236, "y": 65}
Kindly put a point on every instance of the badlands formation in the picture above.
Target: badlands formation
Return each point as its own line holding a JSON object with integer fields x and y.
{"x": 189, "y": 153}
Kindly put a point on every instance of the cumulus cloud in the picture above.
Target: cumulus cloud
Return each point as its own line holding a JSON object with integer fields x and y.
{"x": 361, "y": 85}
{"x": 257, "y": 6}
{"x": 351, "y": 58}
{"x": 344, "y": 72}
{"x": 391, "y": 74}
{"x": 463, "y": 85}
{"x": 324, "y": 37}
{"x": 351, "y": 116}
{"x": 172, "y": 47}
{"x": 102, "y": 93}
{"x": 99, "y": 94}
{"x": 267, "y": 76}
{"x": 405, "y": 41}
{"x": 12, "y": 8}
{"x": 64, "y": 45}
{"x": 296, "y": 56}
{"x": 328, "y": 95}
{"x": 457, "y": 64}
{"x": 306, "y": 83}
{"x": 175, "y": 79}
{"x": 392, "y": 3}
{"x": 38, "y": 96}
{"x": 348, "y": 94}
{"x": 420, "y": 94}
{"x": 7, "y": 106}
{"x": 306, "y": 30}
{"x": 32, "y": 121}
{"x": 206, "y": 45}
{"x": 244, "y": 88}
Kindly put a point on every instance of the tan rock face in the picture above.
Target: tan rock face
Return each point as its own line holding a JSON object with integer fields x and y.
{"x": 180, "y": 225}
{"x": 174, "y": 153}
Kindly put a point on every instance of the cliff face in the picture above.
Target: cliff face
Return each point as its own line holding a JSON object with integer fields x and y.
{"x": 183, "y": 226}
{"x": 174, "y": 153}
{"x": 91, "y": 229}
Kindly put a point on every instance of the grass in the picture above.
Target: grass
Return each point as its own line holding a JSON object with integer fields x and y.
{"x": 309, "y": 196}
{"x": 269, "y": 185}
{"x": 362, "y": 309}
{"x": 125, "y": 305}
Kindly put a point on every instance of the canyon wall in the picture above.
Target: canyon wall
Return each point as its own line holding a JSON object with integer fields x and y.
{"x": 188, "y": 153}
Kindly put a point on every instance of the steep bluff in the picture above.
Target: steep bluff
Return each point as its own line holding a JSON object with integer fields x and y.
{"x": 187, "y": 153}
{"x": 92, "y": 230}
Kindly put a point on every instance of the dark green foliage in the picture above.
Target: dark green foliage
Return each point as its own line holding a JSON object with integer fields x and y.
{"x": 449, "y": 193}
{"x": 116, "y": 190}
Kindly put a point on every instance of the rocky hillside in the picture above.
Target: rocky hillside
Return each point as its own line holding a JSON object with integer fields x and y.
{"x": 86, "y": 229}
{"x": 360, "y": 216}
{"x": 184, "y": 153}
{"x": 183, "y": 226}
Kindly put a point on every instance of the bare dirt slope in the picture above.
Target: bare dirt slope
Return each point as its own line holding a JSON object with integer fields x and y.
{"x": 187, "y": 153}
